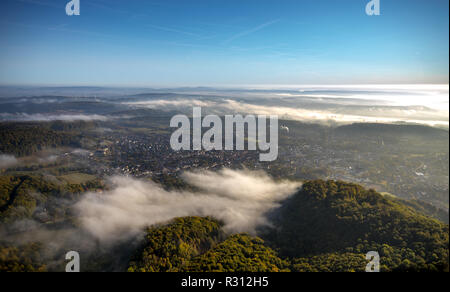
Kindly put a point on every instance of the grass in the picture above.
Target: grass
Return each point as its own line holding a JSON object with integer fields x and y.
{"x": 77, "y": 178}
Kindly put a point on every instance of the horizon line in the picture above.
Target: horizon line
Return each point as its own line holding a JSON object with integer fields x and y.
{"x": 230, "y": 86}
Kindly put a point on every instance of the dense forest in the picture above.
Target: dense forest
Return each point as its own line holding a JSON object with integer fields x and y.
{"x": 424, "y": 208}
{"x": 37, "y": 200}
{"x": 327, "y": 226}
{"x": 196, "y": 244}
{"x": 239, "y": 253}
{"x": 26, "y": 258}
{"x": 25, "y": 197}
{"x": 168, "y": 248}
{"x": 23, "y": 139}
{"x": 337, "y": 218}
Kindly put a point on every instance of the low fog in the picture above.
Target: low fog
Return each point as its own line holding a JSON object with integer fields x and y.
{"x": 420, "y": 104}
{"x": 24, "y": 117}
{"x": 7, "y": 161}
{"x": 304, "y": 108}
{"x": 241, "y": 199}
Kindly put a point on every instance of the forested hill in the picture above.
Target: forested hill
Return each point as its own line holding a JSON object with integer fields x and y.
{"x": 327, "y": 226}
{"x": 196, "y": 244}
{"x": 424, "y": 208}
{"x": 371, "y": 129}
{"x": 336, "y": 218}
{"x": 24, "y": 197}
{"x": 22, "y": 139}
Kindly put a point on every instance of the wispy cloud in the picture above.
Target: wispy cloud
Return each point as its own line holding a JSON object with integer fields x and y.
{"x": 250, "y": 31}
{"x": 168, "y": 29}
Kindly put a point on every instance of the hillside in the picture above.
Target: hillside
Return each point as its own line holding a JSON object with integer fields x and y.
{"x": 333, "y": 218}
{"x": 22, "y": 139}
{"x": 167, "y": 248}
{"x": 392, "y": 130}
{"x": 327, "y": 226}
{"x": 34, "y": 197}
{"x": 194, "y": 244}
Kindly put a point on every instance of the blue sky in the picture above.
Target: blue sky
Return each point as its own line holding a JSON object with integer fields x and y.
{"x": 223, "y": 42}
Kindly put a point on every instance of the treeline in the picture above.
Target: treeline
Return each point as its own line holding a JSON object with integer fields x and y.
{"x": 72, "y": 126}
{"x": 391, "y": 130}
{"x": 23, "y": 139}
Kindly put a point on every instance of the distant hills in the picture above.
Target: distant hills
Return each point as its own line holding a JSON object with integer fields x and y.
{"x": 391, "y": 129}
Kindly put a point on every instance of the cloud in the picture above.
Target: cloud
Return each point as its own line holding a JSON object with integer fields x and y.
{"x": 369, "y": 115}
{"x": 23, "y": 117}
{"x": 172, "y": 104}
{"x": 426, "y": 105}
{"x": 48, "y": 159}
{"x": 7, "y": 161}
{"x": 114, "y": 219}
{"x": 81, "y": 152}
{"x": 168, "y": 29}
{"x": 250, "y": 31}
{"x": 240, "y": 199}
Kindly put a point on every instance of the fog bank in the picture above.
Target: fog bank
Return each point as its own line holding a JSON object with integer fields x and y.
{"x": 241, "y": 199}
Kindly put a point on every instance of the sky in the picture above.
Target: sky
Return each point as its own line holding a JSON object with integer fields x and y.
{"x": 223, "y": 42}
